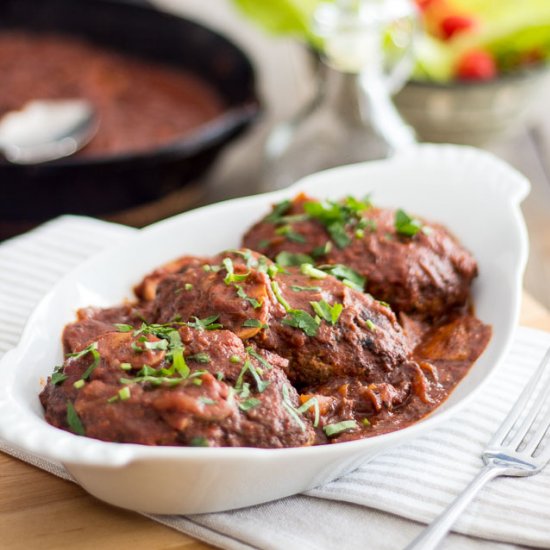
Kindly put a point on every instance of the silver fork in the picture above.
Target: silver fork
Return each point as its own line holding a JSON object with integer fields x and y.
{"x": 511, "y": 452}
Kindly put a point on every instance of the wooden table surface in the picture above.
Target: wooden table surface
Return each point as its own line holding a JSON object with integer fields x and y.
{"x": 39, "y": 510}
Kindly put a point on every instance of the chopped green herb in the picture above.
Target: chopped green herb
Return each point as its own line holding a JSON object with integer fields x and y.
{"x": 73, "y": 420}
{"x": 251, "y": 351}
{"x": 249, "y": 403}
{"x": 273, "y": 270}
{"x": 220, "y": 376}
{"x": 121, "y": 327}
{"x": 199, "y": 442}
{"x": 197, "y": 381}
{"x": 58, "y": 376}
{"x": 235, "y": 359}
{"x": 337, "y": 231}
{"x": 298, "y": 288}
{"x": 346, "y": 274}
{"x": 313, "y": 272}
{"x": 280, "y": 298}
{"x": 264, "y": 243}
{"x": 125, "y": 366}
{"x": 312, "y": 402}
{"x": 370, "y": 325}
{"x": 365, "y": 223}
{"x": 286, "y": 231}
{"x": 298, "y": 318}
{"x": 205, "y": 324}
{"x": 252, "y": 301}
{"x": 260, "y": 384}
{"x": 231, "y": 276}
{"x": 178, "y": 364}
{"x": 158, "y": 345}
{"x": 206, "y": 400}
{"x": 329, "y": 313}
{"x": 322, "y": 250}
{"x": 124, "y": 393}
{"x": 279, "y": 210}
{"x": 365, "y": 422}
{"x": 359, "y": 233}
{"x": 92, "y": 349}
{"x": 79, "y": 384}
{"x": 339, "y": 427}
{"x": 254, "y": 323}
{"x": 212, "y": 268}
{"x": 287, "y": 259}
{"x": 188, "y": 286}
{"x": 201, "y": 357}
{"x": 406, "y": 225}
{"x": 384, "y": 304}
{"x": 291, "y": 409}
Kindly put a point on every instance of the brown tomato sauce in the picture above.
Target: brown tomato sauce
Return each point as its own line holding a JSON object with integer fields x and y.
{"x": 141, "y": 105}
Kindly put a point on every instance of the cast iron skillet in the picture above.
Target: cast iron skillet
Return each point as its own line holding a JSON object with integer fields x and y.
{"x": 106, "y": 184}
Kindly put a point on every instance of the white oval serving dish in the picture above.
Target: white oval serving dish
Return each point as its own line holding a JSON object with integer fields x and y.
{"x": 471, "y": 192}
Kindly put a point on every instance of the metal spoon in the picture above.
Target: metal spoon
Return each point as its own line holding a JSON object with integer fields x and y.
{"x": 45, "y": 130}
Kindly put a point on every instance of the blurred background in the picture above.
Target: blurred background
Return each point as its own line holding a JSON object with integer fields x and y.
{"x": 196, "y": 101}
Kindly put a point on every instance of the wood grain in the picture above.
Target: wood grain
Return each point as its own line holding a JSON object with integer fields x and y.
{"x": 39, "y": 510}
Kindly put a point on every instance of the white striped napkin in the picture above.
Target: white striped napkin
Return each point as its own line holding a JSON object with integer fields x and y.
{"x": 360, "y": 510}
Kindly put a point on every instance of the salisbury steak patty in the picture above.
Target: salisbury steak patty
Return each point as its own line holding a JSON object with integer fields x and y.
{"x": 415, "y": 265}
{"x": 323, "y": 327}
{"x": 159, "y": 385}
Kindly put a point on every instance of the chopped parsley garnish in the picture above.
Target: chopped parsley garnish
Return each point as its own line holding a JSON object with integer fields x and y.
{"x": 322, "y": 250}
{"x": 161, "y": 345}
{"x": 58, "y": 376}
{"x": 92, "y": 349}
{"x": 296, "y": 413}
{"x": 209, "y": 323}
{"x": 231, "y": 276}
{"x": 254, "y": 323}
{"x": 313, "y": 272}
{"x": 252, "y": 301}
{"x": 406, "y": 225}
{"x": 188, "y": 286}
{"x": 365, "y": 422}
{"x": 279, "y": 210}
{"x": 235, "y": 359}
{"x": 339, "y": 427}
{"x": 121, "y": 327}
{"x": 298, "y": 288}
{"x": 201, "y": 357}
{"x": 206, "y": 400}
{"x": 287, "y": 259}
{"x": 346, "y": 274}
{"x": 73, "y": 420}
{"x": 338, "y": 233}
{"x": 264, "y": 243}
{"x": 249, "y": 403}
{"x": 312, "y": 402}
{"x": 370, "y": 325}
{"x": 329, "y": 313}
{"x": 287, "y": 231}
{"x": 79, "y": 384}
{"x": 251, "y": 351}
{"x": 124, "y": 393}
{"x": 199, "y": 442}
{"x": 125, "y": 366}
{"x": 260, "y": 384}
{"x": 337, "y": 216}
{"x": 298, "y": 318}
{"x": 280, "y": 298}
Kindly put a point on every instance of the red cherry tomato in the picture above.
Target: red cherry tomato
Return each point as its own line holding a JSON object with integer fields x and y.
{"x": 453, "y": 24}
{"x": 476, "y": 65}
